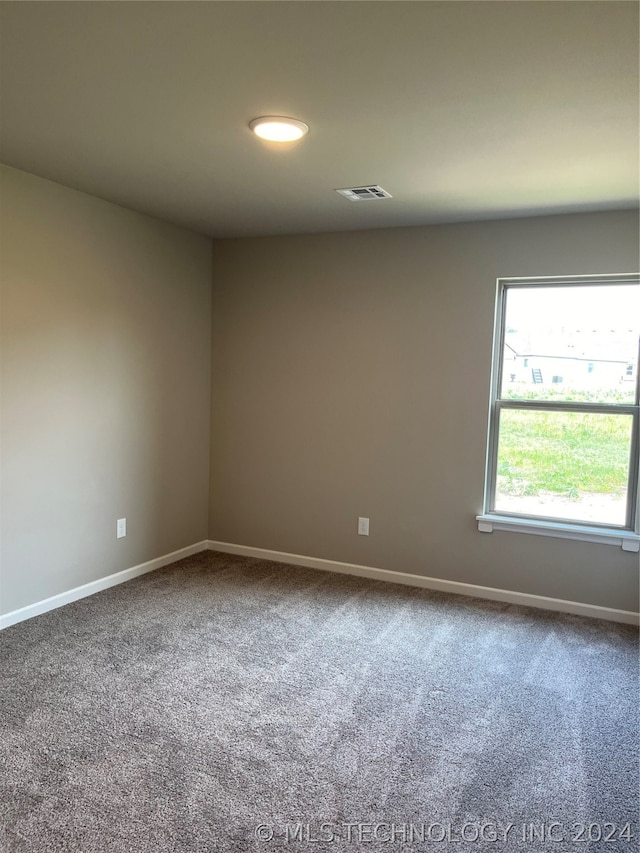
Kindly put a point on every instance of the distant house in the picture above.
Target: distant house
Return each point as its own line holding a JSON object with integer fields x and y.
{"x": 582, "y": 359}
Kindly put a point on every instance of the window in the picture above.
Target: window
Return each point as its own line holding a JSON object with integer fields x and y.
{"x": 563, "y": 455}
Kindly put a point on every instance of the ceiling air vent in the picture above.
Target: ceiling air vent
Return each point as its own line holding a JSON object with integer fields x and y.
{"x": 369, "y": 193}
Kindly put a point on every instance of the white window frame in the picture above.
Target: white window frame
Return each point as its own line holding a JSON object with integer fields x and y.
{"x": 626, "y": 536}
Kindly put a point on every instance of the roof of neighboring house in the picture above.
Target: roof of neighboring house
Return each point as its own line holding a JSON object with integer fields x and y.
{"x": 582, "y": 346}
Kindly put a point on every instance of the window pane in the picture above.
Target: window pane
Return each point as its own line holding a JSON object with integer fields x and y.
{"x": 573, "y": 343}
{"x": 565, "y": 465}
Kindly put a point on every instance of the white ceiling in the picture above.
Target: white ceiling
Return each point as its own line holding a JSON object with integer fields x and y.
{"x": 461, "y": 110}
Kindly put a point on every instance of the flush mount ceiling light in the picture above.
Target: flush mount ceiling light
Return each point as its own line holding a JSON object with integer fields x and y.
{"x": 278, "y": 128}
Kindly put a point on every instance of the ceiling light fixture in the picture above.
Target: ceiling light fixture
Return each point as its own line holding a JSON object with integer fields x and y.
{"x": 278, "y": 128}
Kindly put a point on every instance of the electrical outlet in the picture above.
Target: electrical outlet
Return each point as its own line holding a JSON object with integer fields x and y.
{"x": 121, "y": 528}
{"x": 363, "y": 527}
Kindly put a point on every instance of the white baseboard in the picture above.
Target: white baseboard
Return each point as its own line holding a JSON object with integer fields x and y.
{"x": 457, "y": 588}
{"x": 542, "y": 602}
{"x": 97, "y": 586}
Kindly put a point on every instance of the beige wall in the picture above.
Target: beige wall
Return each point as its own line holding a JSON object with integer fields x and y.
{"x": 351, "y": 377}
{"x": 105, "y": 388}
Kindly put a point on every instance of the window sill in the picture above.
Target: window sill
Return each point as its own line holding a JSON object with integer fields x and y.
{"x": 625, "y": 539}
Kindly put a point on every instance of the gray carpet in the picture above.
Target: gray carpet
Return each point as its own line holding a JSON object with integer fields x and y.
{"x": 186, "y": 708}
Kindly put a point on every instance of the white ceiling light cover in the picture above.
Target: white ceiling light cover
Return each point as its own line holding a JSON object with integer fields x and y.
{"x": 279, "y": 128}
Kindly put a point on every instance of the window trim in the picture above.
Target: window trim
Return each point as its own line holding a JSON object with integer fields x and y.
{"x": 628, "y": 535}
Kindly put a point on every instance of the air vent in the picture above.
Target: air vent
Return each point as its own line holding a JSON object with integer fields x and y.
{"x": 368, "y": 193}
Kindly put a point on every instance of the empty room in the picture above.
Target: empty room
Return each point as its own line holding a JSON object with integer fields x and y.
{"x": 320, "y": 457}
